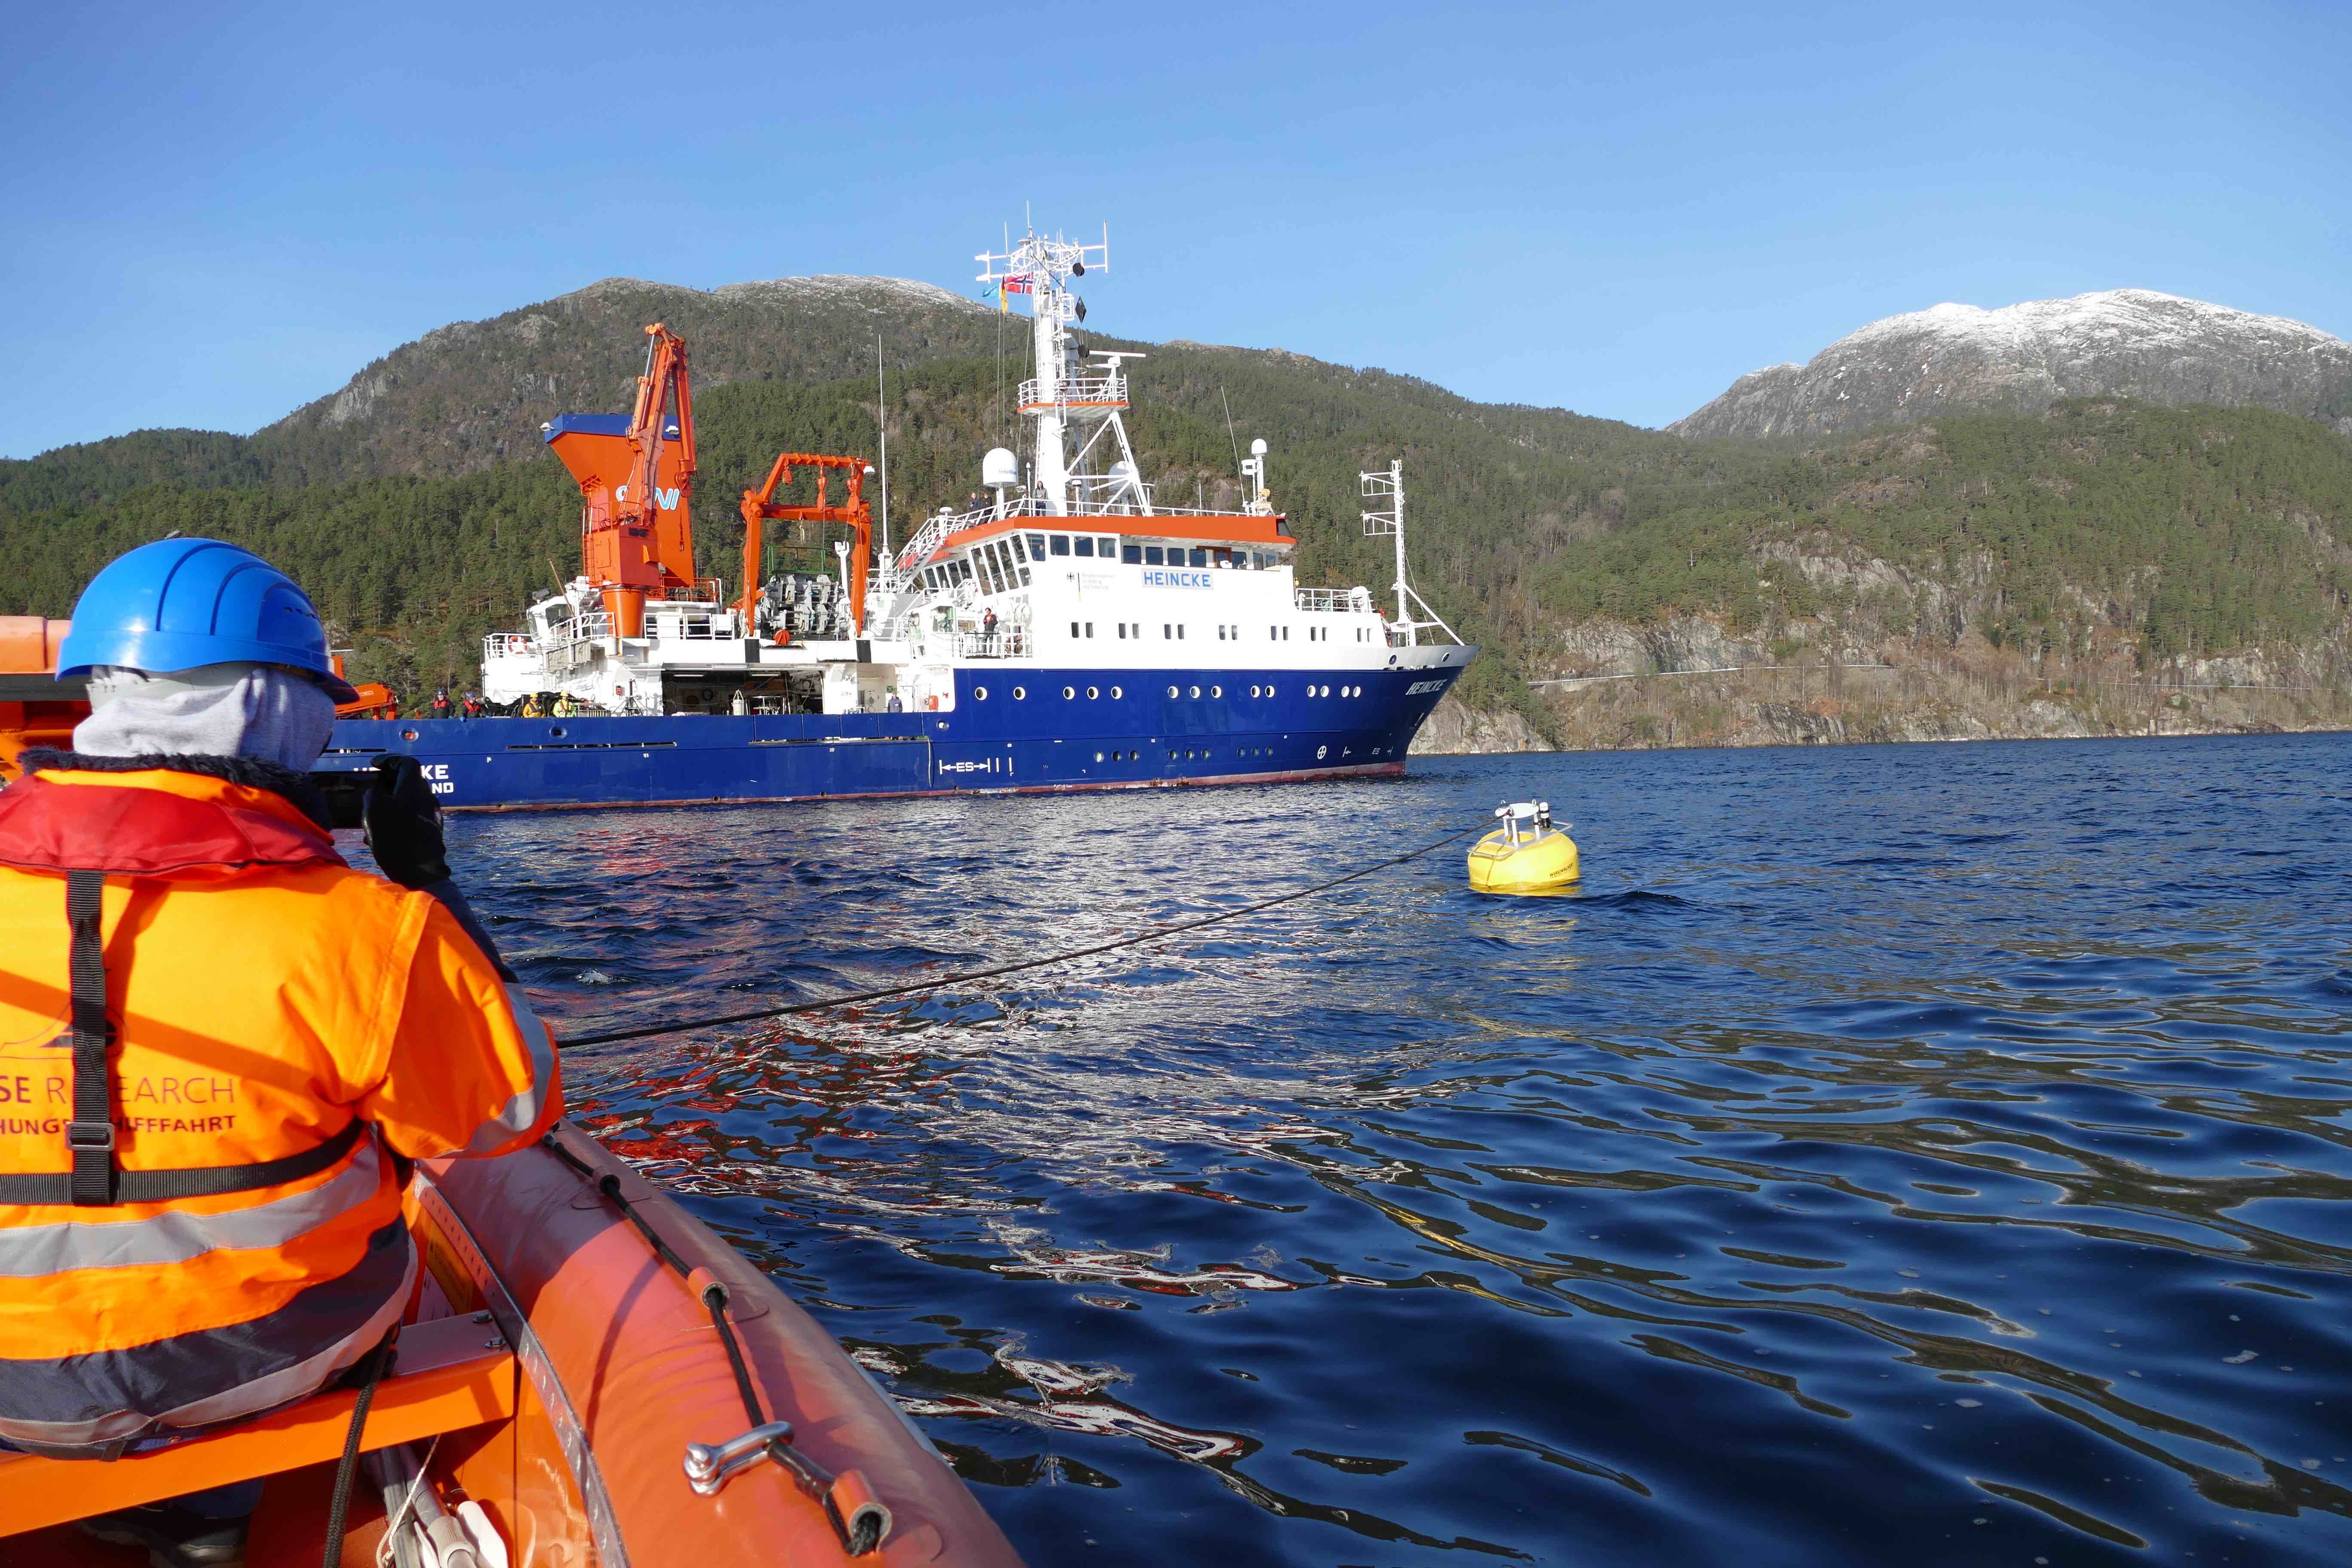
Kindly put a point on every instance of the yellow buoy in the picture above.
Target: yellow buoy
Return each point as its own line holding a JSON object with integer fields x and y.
{"x": 1526, "y": 855}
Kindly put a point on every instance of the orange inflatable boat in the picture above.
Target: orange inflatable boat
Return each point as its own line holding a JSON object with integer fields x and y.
{"x": 593, "y": 1380}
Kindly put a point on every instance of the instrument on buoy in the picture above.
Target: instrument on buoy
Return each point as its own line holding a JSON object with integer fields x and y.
{"x": 1526, "y": 855}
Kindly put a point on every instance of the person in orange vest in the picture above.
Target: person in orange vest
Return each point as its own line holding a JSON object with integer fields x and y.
{"x": 222, "y": 1043}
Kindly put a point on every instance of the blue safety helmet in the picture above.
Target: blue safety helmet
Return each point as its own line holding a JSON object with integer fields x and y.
{"x": 181, "y": 602}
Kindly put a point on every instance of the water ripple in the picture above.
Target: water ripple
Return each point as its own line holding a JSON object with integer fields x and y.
{"x": 1933, "y": 1154}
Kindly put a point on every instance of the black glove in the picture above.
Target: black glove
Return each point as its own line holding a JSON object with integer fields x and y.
{"x": 401, "y": 822}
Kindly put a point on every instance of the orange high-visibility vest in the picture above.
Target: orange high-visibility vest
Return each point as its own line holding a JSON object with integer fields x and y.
{"x": 262, "y": 996}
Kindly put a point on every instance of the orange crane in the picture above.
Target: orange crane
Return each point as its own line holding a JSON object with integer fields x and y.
{"x": 636, "y": 487}
{"x": 853, "y": 512}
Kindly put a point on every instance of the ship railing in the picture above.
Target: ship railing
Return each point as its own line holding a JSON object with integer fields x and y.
{"x": 509, "y": 644}
{"x": 1324, "y": 600}
{"x": 1014, "y": 644}
{"x": 704, "y": 591}
{"x": 704, "y": 624}
{"x": 1076, "y": 392}
{"x": 594, "y": 626}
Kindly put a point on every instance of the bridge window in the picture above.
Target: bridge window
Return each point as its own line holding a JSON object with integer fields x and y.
{"x": 1036, "y": 546}
{"x": 1013, "y": 543}
{"x": 1223, "y": 557}
{"x": 1061, "y": 544}
{"x": 1084, "y": 547}
{"x": 1199, "y": 558}
{"x": 1153, "y": 555}
{"x": 1107, "y": 548}
{"x": 1131, "y": 554}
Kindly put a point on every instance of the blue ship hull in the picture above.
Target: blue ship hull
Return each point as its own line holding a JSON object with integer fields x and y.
{"x": 1039, "y": 739}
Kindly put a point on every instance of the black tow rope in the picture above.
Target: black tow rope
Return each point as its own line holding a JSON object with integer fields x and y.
{"x": 1156, "y": 934}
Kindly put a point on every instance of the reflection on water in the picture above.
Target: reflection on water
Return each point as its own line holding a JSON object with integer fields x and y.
{"x": 1930, "y": 1152}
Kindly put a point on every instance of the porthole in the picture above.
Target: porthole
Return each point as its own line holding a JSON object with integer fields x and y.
{"x": 1216, "y": 691}
{"x": 1269, "y": 691}
{"x": 410, "y": 734}
{"x": 1196, "y": 691}
{"x": 1321, "y": 752}
{"x": 1070, "y": 693}
{"x": 1118, "y": 691}
{"x": 979, "y": 693}
{"x": 1171, "y": 691}
{"x": 1253, "y": 691}
{"x": 1092, "y": 693}
{"x": 1020, "y": 693}
{"x": 1099, "y": 756}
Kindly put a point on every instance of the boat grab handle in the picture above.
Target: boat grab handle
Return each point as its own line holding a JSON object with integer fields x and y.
{"x": 707, "y": 1467}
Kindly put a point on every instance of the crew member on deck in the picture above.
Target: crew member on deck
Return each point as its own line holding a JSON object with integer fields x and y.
{"x": 228, "y": 1036}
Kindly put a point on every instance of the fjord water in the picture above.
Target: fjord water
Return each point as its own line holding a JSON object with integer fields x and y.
{"x": 1928, "y": 1154}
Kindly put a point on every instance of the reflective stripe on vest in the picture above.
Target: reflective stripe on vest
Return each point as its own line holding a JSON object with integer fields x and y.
{"x": 98, "y": 1179}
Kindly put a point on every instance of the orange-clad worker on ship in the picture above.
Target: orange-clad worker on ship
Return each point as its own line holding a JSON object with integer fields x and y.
{"x": 220, "y": 1044}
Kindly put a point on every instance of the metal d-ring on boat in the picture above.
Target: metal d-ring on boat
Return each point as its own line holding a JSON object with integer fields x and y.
{"x": 1527, "y": 854}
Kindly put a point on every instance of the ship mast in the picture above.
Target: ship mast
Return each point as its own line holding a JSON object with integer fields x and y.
{"x": 1067, "y": 398}
{"x": 1389, "y": 518}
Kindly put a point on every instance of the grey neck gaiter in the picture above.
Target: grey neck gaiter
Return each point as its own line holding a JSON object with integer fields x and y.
{"x": 255, "y": 710}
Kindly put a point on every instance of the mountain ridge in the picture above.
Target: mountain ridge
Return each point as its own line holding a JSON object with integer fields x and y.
{"x": 2022, "y": 358}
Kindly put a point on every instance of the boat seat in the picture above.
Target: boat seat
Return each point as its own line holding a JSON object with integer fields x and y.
{"x": 451, "y": 1373}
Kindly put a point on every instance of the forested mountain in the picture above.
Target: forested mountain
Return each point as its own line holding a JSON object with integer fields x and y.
{"x": 2092, "y": 545}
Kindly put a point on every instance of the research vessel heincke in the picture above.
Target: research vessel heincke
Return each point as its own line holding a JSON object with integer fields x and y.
{"x": 1067, "y": 630}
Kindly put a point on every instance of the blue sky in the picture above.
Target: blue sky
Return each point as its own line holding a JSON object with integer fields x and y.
{"x": 218, "y": 213}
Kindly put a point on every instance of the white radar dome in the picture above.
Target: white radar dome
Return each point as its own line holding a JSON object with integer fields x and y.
{"x": 1257, "y": 448}
{"x": 1000, "y": 467}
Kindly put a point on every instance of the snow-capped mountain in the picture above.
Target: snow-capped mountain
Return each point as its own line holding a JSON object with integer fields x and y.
{"x": 1958, "y": 359}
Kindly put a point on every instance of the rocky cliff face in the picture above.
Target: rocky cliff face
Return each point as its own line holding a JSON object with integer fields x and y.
{"x": 1452, "y": 727}
{"x": 2128, "y": 342}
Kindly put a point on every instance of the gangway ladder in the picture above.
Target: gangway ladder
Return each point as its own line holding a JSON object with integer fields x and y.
{"x": 1390, "y": 520}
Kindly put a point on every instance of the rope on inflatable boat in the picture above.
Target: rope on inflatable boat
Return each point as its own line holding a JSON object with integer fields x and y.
{"x": 1156, "y": 934}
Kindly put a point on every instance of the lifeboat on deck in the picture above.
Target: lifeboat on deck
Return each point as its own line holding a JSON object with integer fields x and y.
{"x": 1526, "y": 855}
{"x": 592, "y": 1379}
